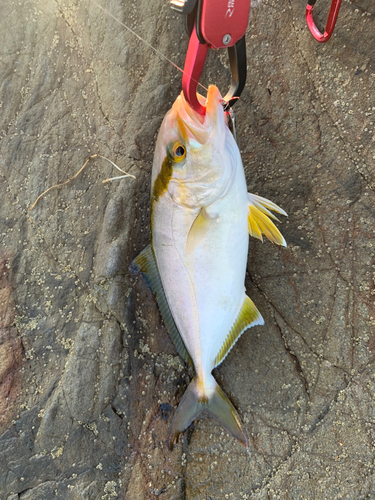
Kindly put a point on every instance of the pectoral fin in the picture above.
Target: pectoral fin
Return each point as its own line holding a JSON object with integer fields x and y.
{"x": 247, "y": 317}
{"x": 259, "y": 219}
{"x": 199, "y": 230}
{"x": 146, "y": 264}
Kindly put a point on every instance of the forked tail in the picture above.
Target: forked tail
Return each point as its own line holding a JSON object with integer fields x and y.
{"x": 216, "y": 404}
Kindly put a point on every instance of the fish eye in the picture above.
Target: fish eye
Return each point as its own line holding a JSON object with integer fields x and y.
{"x": 180, "y": 151}
{"x": 176, "y": 151}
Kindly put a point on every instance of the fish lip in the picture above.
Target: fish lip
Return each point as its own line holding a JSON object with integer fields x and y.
{"x": 195, "y": 129}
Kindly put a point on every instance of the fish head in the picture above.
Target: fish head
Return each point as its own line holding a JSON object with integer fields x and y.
{"x": 194, "y": 156}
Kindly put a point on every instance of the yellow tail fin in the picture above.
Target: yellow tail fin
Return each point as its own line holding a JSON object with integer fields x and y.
{"x": 217, "y": 404}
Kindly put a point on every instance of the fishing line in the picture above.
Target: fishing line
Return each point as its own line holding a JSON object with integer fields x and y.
{"x": 157, "y": 52}
{"x": 160, "y": 54}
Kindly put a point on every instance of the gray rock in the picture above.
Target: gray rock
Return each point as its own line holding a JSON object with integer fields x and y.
{"x": 88, "y": 375}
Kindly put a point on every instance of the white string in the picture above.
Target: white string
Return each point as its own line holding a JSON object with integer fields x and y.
{"x": 160, "y": 54}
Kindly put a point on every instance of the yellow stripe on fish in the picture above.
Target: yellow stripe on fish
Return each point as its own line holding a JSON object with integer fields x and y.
{"x": 162, "y": 180}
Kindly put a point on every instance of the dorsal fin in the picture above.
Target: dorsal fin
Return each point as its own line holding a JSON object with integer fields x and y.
{"x": 247, "y": 317}
{"x": 146, "y": 264}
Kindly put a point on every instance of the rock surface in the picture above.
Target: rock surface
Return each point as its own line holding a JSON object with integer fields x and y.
{"x": 88, "y": 374}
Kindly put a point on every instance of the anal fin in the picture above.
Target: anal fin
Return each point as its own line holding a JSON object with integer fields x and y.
{"x": 247, "y": 317}
{"x": 146, "y": 264}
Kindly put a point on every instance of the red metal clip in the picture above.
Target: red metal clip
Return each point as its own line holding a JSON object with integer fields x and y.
{"x": 194, "y": 63}
{"x": 331, "y": 21}
{"x": 219, "y": 24}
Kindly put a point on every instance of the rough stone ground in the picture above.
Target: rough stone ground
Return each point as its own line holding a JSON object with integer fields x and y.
{"x": 88, "y": 375}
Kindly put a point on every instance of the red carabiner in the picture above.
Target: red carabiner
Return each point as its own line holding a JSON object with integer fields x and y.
{"x": 331, "y": 21}
{"x": 194, "y": 62}
{"x": 217, "y": 24}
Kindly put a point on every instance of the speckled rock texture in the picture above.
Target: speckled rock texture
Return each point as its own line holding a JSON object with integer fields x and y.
{"x": 88, "y": 375}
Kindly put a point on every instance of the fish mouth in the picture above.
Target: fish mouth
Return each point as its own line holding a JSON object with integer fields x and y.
{"x": 195, "y": 129}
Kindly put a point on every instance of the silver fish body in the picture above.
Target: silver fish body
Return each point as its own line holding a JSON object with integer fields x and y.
{"x": 196, "y": 263}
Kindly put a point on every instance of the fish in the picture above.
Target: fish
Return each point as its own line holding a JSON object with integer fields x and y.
{"x": 201, "y": 218}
